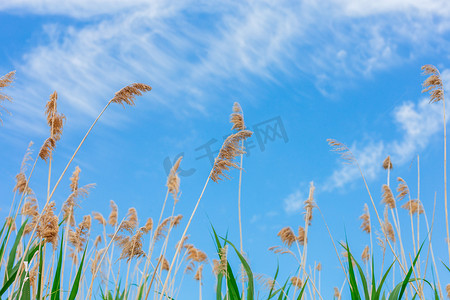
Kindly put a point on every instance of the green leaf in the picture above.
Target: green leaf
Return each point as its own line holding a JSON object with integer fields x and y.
{"x": 302, "y": 290}
{"x": 56, "y": 287}
{"x": 76, "y": 282}
{"x": 28, "y": 256}
{"x": 13, "y": 252}
{"x": 250, "y": 284}
{"x": 41, "y": 273}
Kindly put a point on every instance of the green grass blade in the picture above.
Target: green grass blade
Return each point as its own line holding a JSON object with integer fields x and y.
{"x": 408, "y": 275}
{"x": 274, "y": 280}
{"x": 76, "y": 282}
{"x": 282, "y": 292}
{"x": 13, "y": 252}
{"x": 378, "y": 292}
{"x": 363, "y": 281}
{"x": 40, "y": 273}
{"x": 302, "y": 290}
{"x": 250, "y": 284}
{"x": 354, "y": 292}
{"x": 28, "y": 256}
{"x": 219, "y": 275}
{"x": 55, "y": 295}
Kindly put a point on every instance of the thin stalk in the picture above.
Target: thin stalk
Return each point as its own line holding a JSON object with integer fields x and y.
{"x": 19, "y": 271}
{"x": 182, "y": 237}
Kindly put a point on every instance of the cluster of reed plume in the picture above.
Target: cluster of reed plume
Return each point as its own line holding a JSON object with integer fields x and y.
{"x": 46, "y": 238}
{"x": 58, "y": 236}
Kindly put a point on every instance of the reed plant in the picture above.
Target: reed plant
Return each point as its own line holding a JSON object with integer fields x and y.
{"x": 49, "y": 250}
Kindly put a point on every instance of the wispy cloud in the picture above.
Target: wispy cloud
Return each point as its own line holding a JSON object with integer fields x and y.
{"x": 189, "y": 51}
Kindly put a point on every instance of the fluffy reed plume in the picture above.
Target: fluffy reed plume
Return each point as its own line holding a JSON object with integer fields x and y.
{"x": 381, "y": 241}
{"x": 388, "y": 197}
{"x": 195, "y": 254}
{"x": 112, "y": 219}
{"x": 77, "y": 193}
{"x": 287, "y": 236}
{"x": 148, "y": 226}
{"x": 310, "y": 204}
{"x": 161, "y": 230}
{"x": 365, "y": 254}
{"x": 128, "y": 94}
{"x": 265, "y": 281}
{"x": 301, "y": 235}
{"x": 337, "y": 294}
{"x": 296, "y": 281}
{"x": 48, "y": 228}
{"x": 387, "y": 164}
{"x": 220, "y": 266}
{"x": 164, "y": 263}
{"x": 99, "y": 218}
{"x": 319, "y": 267}
{"x": 342, "y": 149}
{"x": 131, "y": 222}
{"x": 10, "y": 222}
{"x": 402, "y": 189}
{"x": 281, "y": 250}
{"x": 55, "y": 121}
{"x": 173, "y": 181}
{"x": 97, "y": 241}
{"x": 237, "y": 118}
{"x": 30, "y": 209}
{"x": 21, "y": 179}
{"x": 4, "y": 82}
{"x": 131, "y": 246}
{"x": 447, "y": 289}
{"x": 21, "y": 184}
{"x": 96, "y": 260}
{"x": 79, "y": 236}
{"x": 387, "y": 226}
{"x": 198, "y": 274}
{"x": 229, "y": 151}
{"x": 433, "y": 83}
{"x": 182, "y": 241}
{"x": 413, "y": 206}
{"x": 47, "y": 148}
{"x": 74, "y": 179}
{"x": 176, "y": 221}
{"x": 365, "y": 226}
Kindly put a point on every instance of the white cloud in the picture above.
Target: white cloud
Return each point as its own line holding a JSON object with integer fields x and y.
{"x": 188, "y": 51}
{"x": 293, "y": 202}
{"x": 416, "y": 123}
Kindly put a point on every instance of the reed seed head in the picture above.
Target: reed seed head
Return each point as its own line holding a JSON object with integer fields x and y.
{"x": 148, "y": 226}
{"x": 48, "y": 225}
{"x": 229, "y": 151}
{"x": 337, "y": 294}
{"x": 365, "y": 255}
{"x": 388, "y": 197}
{"x": 342, "y": 149}
{"x": 237, "y": 118}
{"x": 128, "y": 94}
{"x": 310, "y": 204}
{"x": 74, "y": 179}
{"x": 5, "y": 81}
{"x": 99, "y": 218}
{"x": 366, "y": 226}
{"x": 433, "y": 84}
{"x": 173, "y": 181}
{"x": 287, "y": 236}
{"x": 319, "y": 267}
{"x": 198, "y": 274}
{"x": 47, "y": 148}
{"x": 112, "y": 219}
{"x": 402, "y": 189}
{"x": 387, "y": 226}
{"x": 413, "y": 207}
{"x": 164, "y": 263}
{"x": 387, "y": 164}
{"x": 297, "y": 282}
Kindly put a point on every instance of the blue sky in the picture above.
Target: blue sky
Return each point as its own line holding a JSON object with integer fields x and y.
{"x": 342, "y": 69}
